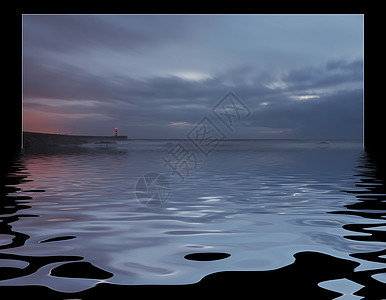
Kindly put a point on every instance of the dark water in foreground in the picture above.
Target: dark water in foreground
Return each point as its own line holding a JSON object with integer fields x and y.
{"x": 76, "y": 218}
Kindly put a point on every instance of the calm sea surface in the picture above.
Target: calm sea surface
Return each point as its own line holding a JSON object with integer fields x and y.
{"x": 137, "y": 208}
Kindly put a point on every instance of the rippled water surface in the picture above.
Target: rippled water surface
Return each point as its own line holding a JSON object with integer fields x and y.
{"x": 259, "y": 201}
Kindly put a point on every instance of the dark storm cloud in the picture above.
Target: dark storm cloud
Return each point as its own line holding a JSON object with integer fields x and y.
{"x": 163, "y": 100}
{"x": 337, "y": 115}
{"x": 65, "y": 81}
{"x": 156, "y": 75}
{"x": 316, "y": 102}
{"x": 333, "y": 73}
{"x": 70, "y": 33}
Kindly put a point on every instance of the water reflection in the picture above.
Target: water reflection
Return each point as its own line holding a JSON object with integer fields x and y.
{"x": 12, "y": 204}
{"x": 264, "y": 214}
{"x": 370, "y": 193}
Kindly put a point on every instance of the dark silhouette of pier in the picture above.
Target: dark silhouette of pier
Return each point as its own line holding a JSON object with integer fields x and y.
{"x": 39, "y": 140}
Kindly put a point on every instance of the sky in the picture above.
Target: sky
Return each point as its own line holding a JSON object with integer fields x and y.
{"x": 158, "y": 76}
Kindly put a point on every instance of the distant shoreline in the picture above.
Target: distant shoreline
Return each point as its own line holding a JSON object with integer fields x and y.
{"x": 44, "y": 140}
{"x": 48, "y": 140}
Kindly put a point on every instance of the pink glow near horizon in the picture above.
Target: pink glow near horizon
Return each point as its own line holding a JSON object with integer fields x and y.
{"x": 44, "y": 123}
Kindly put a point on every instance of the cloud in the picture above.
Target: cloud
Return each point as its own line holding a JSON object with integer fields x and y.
{"x": 330, "y": 97}
{"x": 192, "y": 75}
{"x": 71, "y": 33}
{"x": 336, "y": 115}
{"x": 304, "y": 97}
{"x": 181, "y": 124}
{"x": 337, "y": 73}
{"x": 155, "y": 75}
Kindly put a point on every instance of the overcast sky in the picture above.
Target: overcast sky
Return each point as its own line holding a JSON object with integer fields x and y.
{"x": 157, "y": 76}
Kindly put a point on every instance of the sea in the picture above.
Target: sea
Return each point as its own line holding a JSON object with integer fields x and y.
{"x": 170, "y": 212}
